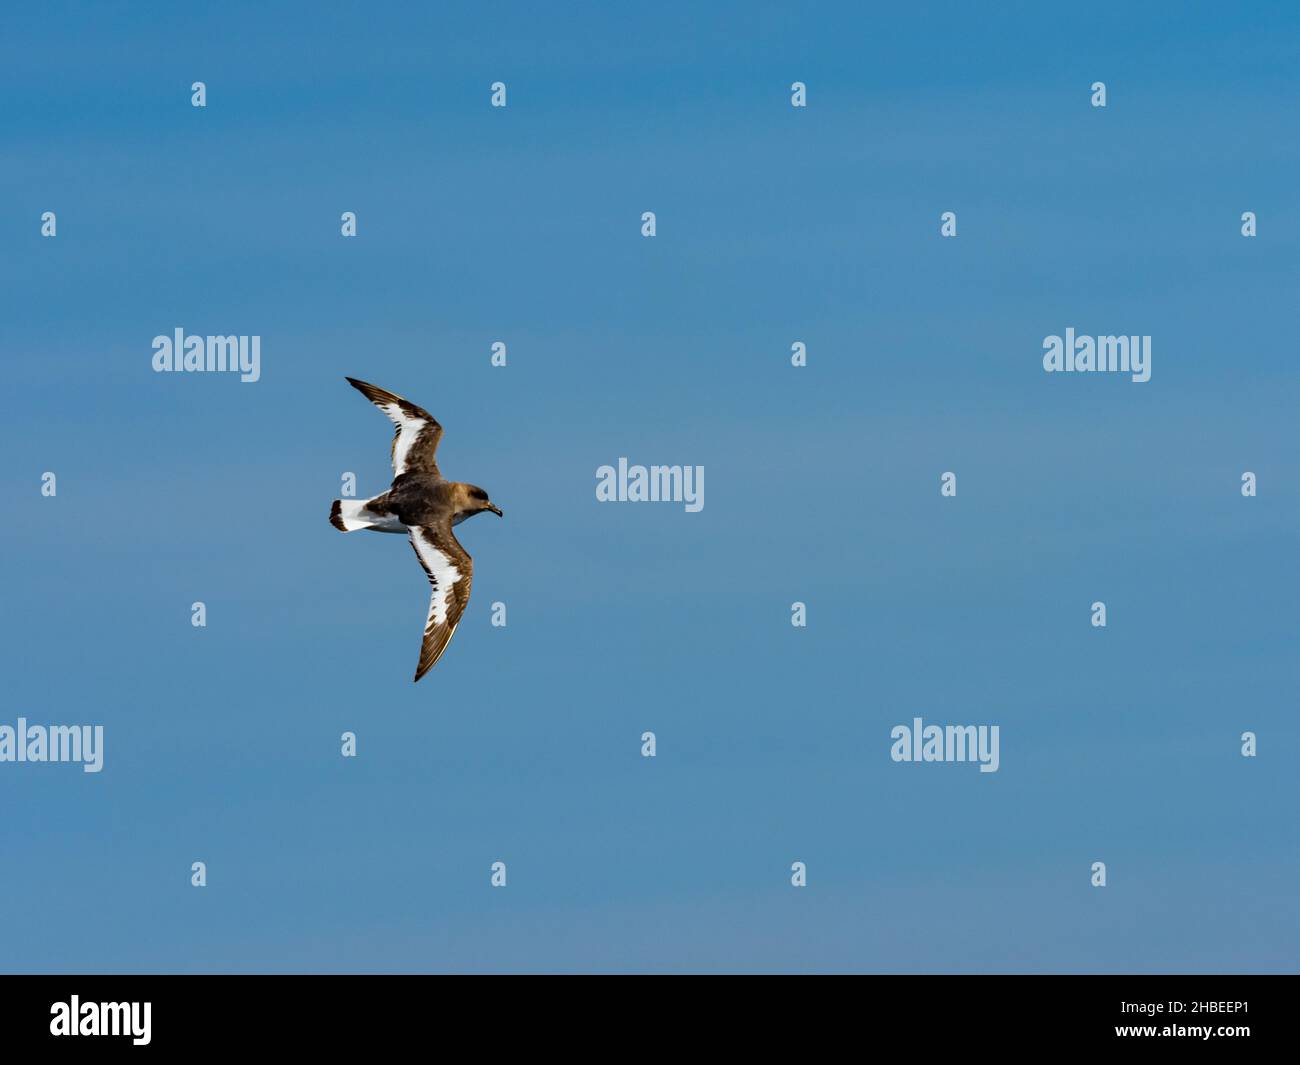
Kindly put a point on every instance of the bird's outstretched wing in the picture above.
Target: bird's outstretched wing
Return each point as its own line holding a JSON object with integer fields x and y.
{"x": 418, "y": 432}
{"x": 450, "y": 570}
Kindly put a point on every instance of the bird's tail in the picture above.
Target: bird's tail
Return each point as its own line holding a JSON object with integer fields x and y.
{"x": 345, "y": 515}
{"x": 348, "y": 515}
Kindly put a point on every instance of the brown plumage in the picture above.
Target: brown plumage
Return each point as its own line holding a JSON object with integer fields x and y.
{"x": 423, "y": 505}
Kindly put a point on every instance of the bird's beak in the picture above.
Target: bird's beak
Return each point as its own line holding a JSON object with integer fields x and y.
{"x": 495, "y": 510}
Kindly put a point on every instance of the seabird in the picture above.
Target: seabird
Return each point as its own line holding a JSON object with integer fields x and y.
{"x": 425, "y": 507}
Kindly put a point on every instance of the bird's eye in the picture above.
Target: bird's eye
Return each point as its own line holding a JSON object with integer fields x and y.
{"x": 478, "y": 493}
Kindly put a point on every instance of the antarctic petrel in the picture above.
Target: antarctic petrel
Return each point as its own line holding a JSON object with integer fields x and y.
{"x": 425, "y": 507}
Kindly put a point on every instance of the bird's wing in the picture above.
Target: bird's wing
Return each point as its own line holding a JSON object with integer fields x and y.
{"x": 418, "y": 432}
{"x": 450, "y": 570}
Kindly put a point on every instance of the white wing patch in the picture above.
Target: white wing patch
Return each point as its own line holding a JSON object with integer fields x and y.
{"x": 416, "y": 440}
{"x": 450, "y": 571}
{"x": 408, "y": 429}
{"x": 443, "y": 575}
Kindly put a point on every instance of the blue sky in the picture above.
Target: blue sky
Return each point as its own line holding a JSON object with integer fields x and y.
{"x": 774, "y": 225}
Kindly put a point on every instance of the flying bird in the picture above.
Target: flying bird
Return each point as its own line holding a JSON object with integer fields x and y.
{"x": 423, "y": 505}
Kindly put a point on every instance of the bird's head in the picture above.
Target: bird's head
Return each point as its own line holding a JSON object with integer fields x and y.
{"x": 477, "y": 501}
